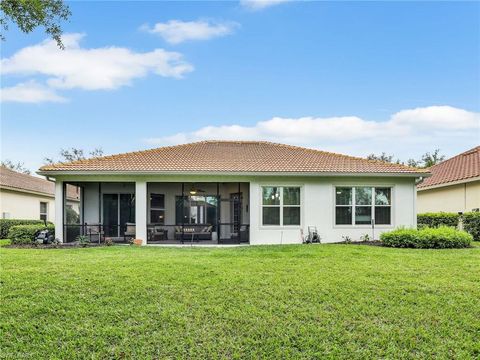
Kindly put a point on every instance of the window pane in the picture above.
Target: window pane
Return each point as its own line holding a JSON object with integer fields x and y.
{"x": 363, "y": 215}
{"x": 157, "y": 201}
{"x": 43, "y": 207}
{"x": 43, "y": 217}
{"x": 363, "y": 195}
{"x": 157, "y": 217}
{"x": 382, "y": 215}
{"x": 271, "y": 216}
{"x": 343, "y": 196}
{"x": 382, "y": 196}
{"x": 271, "y": 195}
{"x": 291, "y": 215}
{"x": 343, "y": 215}
{"x": 291, "y": 196}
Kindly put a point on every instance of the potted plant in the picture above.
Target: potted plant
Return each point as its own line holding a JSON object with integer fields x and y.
{"x": 137, "y": 242}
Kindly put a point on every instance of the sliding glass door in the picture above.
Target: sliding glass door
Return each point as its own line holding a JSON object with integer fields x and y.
{"x": 118, "y": 209}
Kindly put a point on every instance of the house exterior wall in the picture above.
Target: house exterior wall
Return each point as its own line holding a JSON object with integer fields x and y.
{"x": 317, "y": 201}
{"x": 318, "y": 209}
{"x": 20, "y": 205}
{"x": 454, "y": 198}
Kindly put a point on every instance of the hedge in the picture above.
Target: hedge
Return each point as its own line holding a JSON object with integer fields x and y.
{"x": 438, "y": 219}
{"x": 6, "y": 224}
{"x": 471, "y": 224}
{"x": 443, "y": 237}
{"x": 25, "y": 234}
{"x": 470, "y": 220}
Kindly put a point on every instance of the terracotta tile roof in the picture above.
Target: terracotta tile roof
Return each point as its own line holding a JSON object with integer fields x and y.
{"x": 461, "y": 167}
{"x": 232, "y": 156}
{"x": 22, "y": 182}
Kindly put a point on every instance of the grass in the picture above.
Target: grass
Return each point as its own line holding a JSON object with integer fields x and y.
{"x": 328, "y": 301}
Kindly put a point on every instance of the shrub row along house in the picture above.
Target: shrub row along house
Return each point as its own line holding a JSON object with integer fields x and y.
{"x": 454, "y": 185}
{"x": 233, "y": 192}
{"x": 28, "y": 197}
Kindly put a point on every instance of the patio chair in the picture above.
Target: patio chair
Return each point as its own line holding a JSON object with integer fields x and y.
{"x": 94, "y": 231}
{"x": 129, "y": 231}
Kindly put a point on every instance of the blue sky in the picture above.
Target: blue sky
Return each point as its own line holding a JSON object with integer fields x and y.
{"x": 351, "y": 77}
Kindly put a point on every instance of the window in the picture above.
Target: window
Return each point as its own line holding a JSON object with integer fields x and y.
{"x": 157, "y": 209}
{"x": 343, "y": 209}
{"x": 359, "y": 205}
{"x": 43, "y": 211}
{"x": 280, "y": 205}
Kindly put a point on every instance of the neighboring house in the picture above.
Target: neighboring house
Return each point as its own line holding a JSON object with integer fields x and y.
{"x": 454, "y": 185}
{"x": 235, "y": 191}
{"x": 24, "y": 196}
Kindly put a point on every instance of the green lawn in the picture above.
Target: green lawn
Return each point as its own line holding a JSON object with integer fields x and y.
{"x": 329, "y": 301}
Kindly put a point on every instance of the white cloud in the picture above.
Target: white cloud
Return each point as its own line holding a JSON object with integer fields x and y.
{"x": 406, "y": 133}
{"x": 260, "y": 4}
{"x": 30, "y": 92}
{"x": 176, "y": 31}
{"x": 92, "y": 69}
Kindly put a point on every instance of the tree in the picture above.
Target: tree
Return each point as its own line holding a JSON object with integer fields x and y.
{"x": 73, "y": 154}
{"x": 427, "y": 159}
{"x": 18, "y": 166}
{"x": 413, "y": 163}
{"x": 30, "y": 14}
{"x": 430, "y": 159}
{"x": 383, "y": 157}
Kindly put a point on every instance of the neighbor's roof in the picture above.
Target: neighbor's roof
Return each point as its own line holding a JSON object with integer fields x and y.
{"x": 460, "y": 168}
{"x": 231, "y": 157}
{"x": 13, "y": 180}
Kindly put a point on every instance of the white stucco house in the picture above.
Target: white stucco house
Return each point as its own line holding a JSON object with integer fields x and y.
{"x": 234, "y": 192}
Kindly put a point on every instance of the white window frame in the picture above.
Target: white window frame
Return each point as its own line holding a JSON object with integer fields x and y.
{"x": 46, "y": 210}
{"x": 354, "y": 205}
{"x": 281, "y": 206}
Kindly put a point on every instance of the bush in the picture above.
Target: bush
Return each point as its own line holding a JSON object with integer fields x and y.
{"x": 471, "y": 224}
{"x": 6, "y": 224}
{"x": 443, "y": 237}
{"x": 471, "y": 221}
{"x": 25, "y": 234}
{"x": 434, "y": 220}
{"x": 401, "y": 238}
{"x": 83, "y": 240}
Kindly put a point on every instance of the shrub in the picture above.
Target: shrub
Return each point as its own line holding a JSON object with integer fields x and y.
{"x": 402, "y": 238}
{"x": 6, "y": 224}
{"x": 434, "y": 220}
{"x": 25, "y": 234}
{"x": 83, "y": 240}
{"x": 443, "y": 237}
{"x": 471, "y": 224}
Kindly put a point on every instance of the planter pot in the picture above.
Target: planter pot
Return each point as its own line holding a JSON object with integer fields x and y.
{"x": 138, "y": 242}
